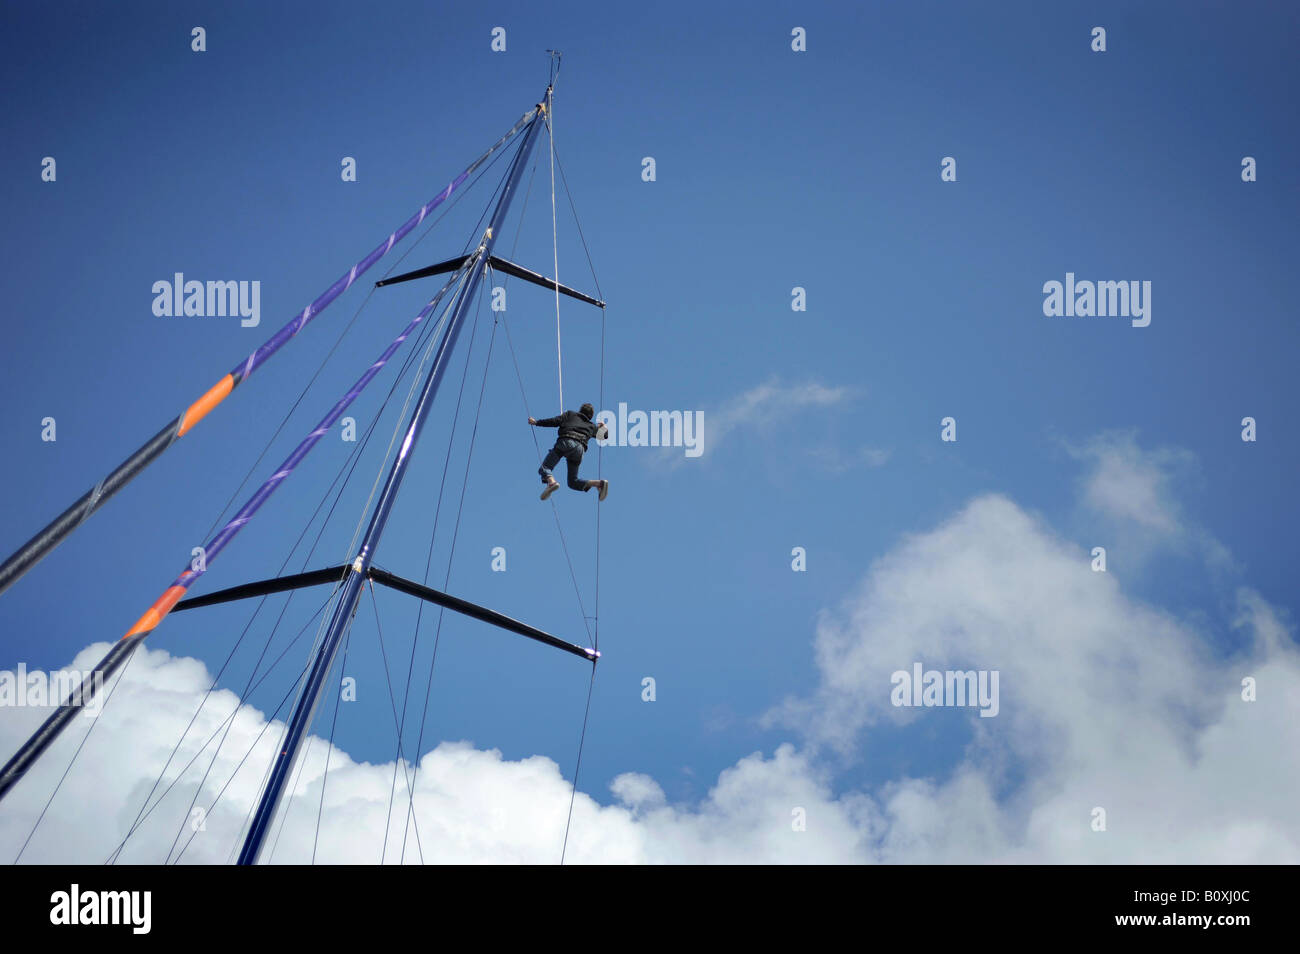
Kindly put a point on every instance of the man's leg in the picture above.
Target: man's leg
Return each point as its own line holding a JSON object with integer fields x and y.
{"x": 552, "y": 458}
{"x": 574, "y": 457}
{"x": 575, "y": 460}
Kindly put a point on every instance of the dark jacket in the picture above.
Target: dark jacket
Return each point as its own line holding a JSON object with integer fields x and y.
{"x": 573, "y": 426}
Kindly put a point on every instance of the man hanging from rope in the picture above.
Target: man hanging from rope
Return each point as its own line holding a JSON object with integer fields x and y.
{"x": 576, "y": 428}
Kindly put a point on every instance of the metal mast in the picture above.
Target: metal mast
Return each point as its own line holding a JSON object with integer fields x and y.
{"x": 346, "y": 607}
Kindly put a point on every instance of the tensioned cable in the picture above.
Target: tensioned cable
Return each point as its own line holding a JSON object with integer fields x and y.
{"x": 144, "y": 814}
{"x": 352, "y": 459}
{"x": 578, "y": 223}
{"x": 429, "y": 565}
{"x": 555, "y": 245}
{"x": 266, "y": 724}
{"x": 573, "y": 794}
{"x": 410, "y": 670}
{"x": 329, "y": 749}
{"x": 296, "y": 403}
{"x": 94, "y": 722}
{"x": 392, "y": 699}
{"x": 163, "y": 605}
{"x": 433, "y": 658}
{"x": 469, "y": 457}
{"x": 355, "y": 457}
{"x": 600, "y": 462}
{"x": 554, "y": 509}
{"x": 270, "y": 637}
{"x": 461, "y": 273}
{"x": 433, "y": 223}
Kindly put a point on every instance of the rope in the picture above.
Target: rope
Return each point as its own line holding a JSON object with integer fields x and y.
{"x": 600, "y": 462}
{"x": 94, "y": 722}
{"x": 144, "y": 815}
{"x": 353, "y": 459}
{"x": 578, "y": 223}
{"x": 350, "y": 465}
{"x": 578, "y": 767}
{"x": 265, "y": 725}
{"x": 600, "y": 472}
{"x": 554, "y": 509}
{"x": 469, "y": 457}
{"x": 392, "y": 700}
{"x": 329, "y": 749}
{"x": 433, "y": 223}
{"x": 555, "y": 244}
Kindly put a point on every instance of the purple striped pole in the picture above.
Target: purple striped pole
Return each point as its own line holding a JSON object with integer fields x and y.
{"x": 57, "y": 530}
{"x": 172, "y": 595}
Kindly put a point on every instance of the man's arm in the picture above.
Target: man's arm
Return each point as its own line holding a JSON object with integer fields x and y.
{"x": 544, "y": 422}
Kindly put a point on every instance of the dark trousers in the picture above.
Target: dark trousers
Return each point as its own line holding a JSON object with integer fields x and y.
{"x": 571, "y": 451}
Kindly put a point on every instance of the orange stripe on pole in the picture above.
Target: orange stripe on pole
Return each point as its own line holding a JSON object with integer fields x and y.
{"x": 199, "y": 409}
{"x": 161, "y": 607}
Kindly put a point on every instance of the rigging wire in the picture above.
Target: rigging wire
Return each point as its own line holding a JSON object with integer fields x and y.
{"x": 582, "y": 738}
{"x": 194, "y": 758}
{"x": 392, "y": 698}
{"x": 349, "y": 464}
{"x": 432, "y": 540}
{"x": 406, "y": 693}
{"x": 600, "y": 461}
{"x": 442, "y": 612}
{"x": 284, "y": 420}
{"x": 329, "y": 749}
{"x": 146, "y": 811}
{"x": 266, "y": 724}
{"x": 555, "y": 245}
{"x": 455, "y": 532}
{"x": 433, "y": 223}
{"x": 355, "y": 456}
{"x": 94, "y": 722}
{"x": 554, "y": 509}
{"x": 419, "y": 617}
{"x": 459, "y": 275}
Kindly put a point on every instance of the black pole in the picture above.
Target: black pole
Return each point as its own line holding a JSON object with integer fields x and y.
{"x": 77, "y": 700}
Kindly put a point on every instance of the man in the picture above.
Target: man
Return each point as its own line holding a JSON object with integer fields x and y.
{"x": 576, "y": 428}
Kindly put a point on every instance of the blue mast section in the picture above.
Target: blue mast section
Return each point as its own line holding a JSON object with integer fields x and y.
{"x": 346, "y": 607}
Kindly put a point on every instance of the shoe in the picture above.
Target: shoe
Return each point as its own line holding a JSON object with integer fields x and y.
{"x": 551, "y": 488}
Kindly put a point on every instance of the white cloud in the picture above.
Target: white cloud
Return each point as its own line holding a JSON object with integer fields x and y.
{"x": 472, "y": 806}
{"x": 765, "y": 405}
{"x": 836, "y": 460}
{"x": 1133, "y": 491}
{"x": 1131, "y": 484}
{"x": 1106, "y": 701}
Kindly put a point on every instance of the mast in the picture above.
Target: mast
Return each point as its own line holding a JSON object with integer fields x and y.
{"x": 346, "y": 607}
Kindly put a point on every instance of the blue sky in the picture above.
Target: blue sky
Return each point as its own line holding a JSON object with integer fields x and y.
{"x": 775, "y": 169}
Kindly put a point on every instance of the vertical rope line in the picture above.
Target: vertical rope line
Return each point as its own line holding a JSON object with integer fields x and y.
{"x": 329, "y": 749}
{"x": 451, "y": 555}
{"x": 555, "y": 244}
{"x": 573, "y": 795}
{"x": 600, "y": 475}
